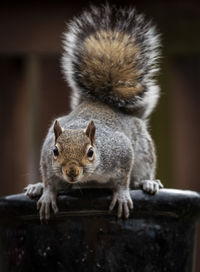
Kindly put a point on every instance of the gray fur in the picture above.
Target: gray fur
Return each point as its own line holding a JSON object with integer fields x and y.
{"x": 124, "y": 154}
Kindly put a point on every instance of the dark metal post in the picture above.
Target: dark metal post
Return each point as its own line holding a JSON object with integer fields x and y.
{"x": 84, "y": 236}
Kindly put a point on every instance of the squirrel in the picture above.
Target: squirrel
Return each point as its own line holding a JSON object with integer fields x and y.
{"x": 110, "y": 60}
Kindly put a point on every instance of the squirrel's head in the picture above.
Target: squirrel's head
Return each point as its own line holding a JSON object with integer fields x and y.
{"x": 74, "y": 153}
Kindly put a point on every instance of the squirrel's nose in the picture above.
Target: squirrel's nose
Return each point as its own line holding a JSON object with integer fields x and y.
{"x": 72, "y": 172}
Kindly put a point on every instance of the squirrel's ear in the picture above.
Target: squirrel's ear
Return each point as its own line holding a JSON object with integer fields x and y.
{"x": 90, "y": 131}
{"x": 57, "y": 129}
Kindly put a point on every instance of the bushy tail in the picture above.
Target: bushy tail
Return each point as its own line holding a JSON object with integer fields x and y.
{"x": 111, "y": 55}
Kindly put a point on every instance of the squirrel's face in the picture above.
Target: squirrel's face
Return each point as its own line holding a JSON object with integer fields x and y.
{"x": 74, "y": 153}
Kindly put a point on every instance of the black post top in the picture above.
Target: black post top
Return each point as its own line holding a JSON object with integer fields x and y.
{"x": 86, "y": 202}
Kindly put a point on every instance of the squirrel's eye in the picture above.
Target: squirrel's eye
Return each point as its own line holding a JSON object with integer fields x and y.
{"x": 55, "y": 151}
{"x": 90, "y": 152}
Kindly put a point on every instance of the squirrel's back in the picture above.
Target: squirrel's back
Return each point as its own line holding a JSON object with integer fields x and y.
{"x": 111, "y": 55}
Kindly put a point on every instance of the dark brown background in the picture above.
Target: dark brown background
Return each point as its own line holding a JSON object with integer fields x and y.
{"x": 33, "y": 91}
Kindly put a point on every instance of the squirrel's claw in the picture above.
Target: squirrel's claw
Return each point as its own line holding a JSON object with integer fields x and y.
{"x": 113, "y": 202}
{"x": 151, "y": 186}
{"x": 46, "y": 201}
{"x": 125, "y": 204}
{"x": 34, "y": 190}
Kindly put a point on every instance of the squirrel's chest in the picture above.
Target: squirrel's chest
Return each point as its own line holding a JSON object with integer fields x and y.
{"x": 100, "y": 177}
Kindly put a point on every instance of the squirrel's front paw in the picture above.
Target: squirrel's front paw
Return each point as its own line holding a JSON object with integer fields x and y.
{"x": 46, "y": 201}
{"x": 125, "y": 203}
{"x": 151, "y": 186}
{"x": 33, "y": 190}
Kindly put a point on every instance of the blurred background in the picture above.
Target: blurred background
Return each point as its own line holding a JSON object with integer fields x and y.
{"x": 33, "y": 91}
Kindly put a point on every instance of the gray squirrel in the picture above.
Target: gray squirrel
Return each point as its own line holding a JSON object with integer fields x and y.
{"x": 110, "y": 60}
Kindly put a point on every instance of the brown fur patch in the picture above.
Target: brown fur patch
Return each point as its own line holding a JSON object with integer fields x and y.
{"x": 110, "y": 63}
{"x": 73, "y": 146}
